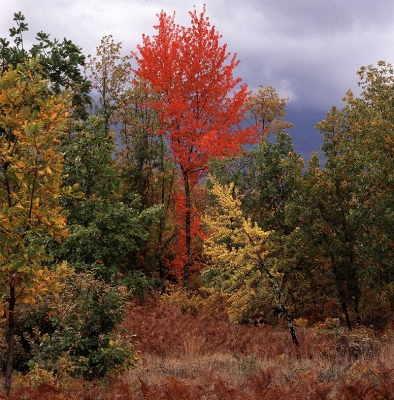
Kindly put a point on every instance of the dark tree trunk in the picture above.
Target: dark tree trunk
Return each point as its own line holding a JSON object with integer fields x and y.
{"x": 186, "y": 271}
{"x": 11, "y": 332}
{"x": 347, "y": 318}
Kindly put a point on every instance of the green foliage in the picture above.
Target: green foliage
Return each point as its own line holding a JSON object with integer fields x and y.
{"x": 103, "y": 231}
{"x": 77, "y": 330}
{"x": 143, "y": 165}
{"x": 269, "y": 177}
{"x": 266, "y": 108}
{"x": 343, "y": 237}
{"x": 110, "y": 74}
{"x": 60, "y": 62}
{"x": 139, "y": 285}
{"x": 88, "y": 161}
{"x": 124, "y": 103}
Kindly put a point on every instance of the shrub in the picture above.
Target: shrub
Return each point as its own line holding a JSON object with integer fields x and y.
{"x": 139, "y": 285}
{"x": 206, "y": 301}
{"x": 360, "y": 342}
{"x": 75, "y": 333}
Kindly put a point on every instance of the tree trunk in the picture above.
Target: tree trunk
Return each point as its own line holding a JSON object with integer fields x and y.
{"x": 346, "y": 313}
{"x": 186, "y": 271}
{"x": 281, "y": 304}
{"x": 341, "y": 291}
{"x": 11, "y": 332}
{"x": 162, "y": 215}
{"x": 276, "y": 289}
{"x": 355, "y": 289}
{"x": 356, "y": 307}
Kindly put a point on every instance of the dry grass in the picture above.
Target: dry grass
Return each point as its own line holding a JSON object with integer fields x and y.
{"x": 189, "y": 356}
{"x": 217, "y": 359}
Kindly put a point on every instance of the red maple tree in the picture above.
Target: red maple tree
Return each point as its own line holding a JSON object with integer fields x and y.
{"x": 201, "y": 104}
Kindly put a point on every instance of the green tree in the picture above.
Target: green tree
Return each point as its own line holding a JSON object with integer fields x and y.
{"x": 355, "y": 196}
{"x": 266, "y": 109}
{"x": 370, "y": 119}
{"x": 268, "y": 173}
{"x": 60, "y": 62}
{"x": 111, "y": 77}
{"x": 144, "y": 166}
{"x": 324, "y": 241}
{"x": 77, "y": 332}
{"x": 103, "y": 230}
{"x": 122, "y": 101}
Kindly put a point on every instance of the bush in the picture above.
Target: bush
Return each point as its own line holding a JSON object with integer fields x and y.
{"x": 358, "y": 343}
{"x": 75, "y": 333}
{"x": 139, "y": 285}
{"x": 208, "y": 302}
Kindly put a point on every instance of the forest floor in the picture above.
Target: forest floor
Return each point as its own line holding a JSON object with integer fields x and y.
{"x": 195, "y": 355}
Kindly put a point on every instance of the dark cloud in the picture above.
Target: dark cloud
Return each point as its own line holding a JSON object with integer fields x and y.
{"x": 309, "y": 50}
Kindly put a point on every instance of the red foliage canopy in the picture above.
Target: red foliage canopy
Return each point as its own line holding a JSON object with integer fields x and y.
{"x": 201, "y": 103}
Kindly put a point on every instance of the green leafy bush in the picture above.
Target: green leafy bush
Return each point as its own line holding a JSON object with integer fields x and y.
{"x": 139, "y": 285}
{"x": 76, "y": 333}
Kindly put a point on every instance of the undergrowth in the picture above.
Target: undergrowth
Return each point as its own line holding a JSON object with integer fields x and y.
{"x": 188, "y": 354}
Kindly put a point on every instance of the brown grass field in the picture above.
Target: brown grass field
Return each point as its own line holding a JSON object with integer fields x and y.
{"x": 195, "y": 355}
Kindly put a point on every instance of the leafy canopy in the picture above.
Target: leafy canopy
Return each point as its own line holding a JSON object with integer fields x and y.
{"x": 31, "y": 126}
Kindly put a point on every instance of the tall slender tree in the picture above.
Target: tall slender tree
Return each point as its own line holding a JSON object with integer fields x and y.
{"x": 146, "y": 171}
{"x": 32, "y": 122}
{"x": 110, "y": 74}
{"x": 237, "y": 250}
{"x": 146, "y": 174}
{"x": 269, "y": 176}
{"x": 201, "y": 104}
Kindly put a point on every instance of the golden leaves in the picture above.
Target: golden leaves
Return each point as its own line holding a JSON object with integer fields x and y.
{"x": 31, "y": 125}
{"x": 234, "y": 248}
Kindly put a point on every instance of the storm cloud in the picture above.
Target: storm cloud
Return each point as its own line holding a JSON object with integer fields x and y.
{"x": 309, "y": 50}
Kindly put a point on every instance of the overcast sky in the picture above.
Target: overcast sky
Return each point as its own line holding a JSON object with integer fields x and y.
{"x": 309, "y": 50}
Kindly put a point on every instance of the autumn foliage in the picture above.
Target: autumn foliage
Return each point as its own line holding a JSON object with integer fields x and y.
{"x": 31, "y": 125}
{"x": 148, "y": 201}
{"x": 192, "y": 356}
{"x": 200, "y": 104}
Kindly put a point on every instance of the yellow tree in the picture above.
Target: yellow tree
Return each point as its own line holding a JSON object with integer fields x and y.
{"x": 266, "y": 109}
{"x": 236, "y": 250}
{"x": 31, "y": 124}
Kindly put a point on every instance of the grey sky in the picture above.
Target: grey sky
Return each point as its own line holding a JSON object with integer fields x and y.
{"x": 309, "y": 50}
